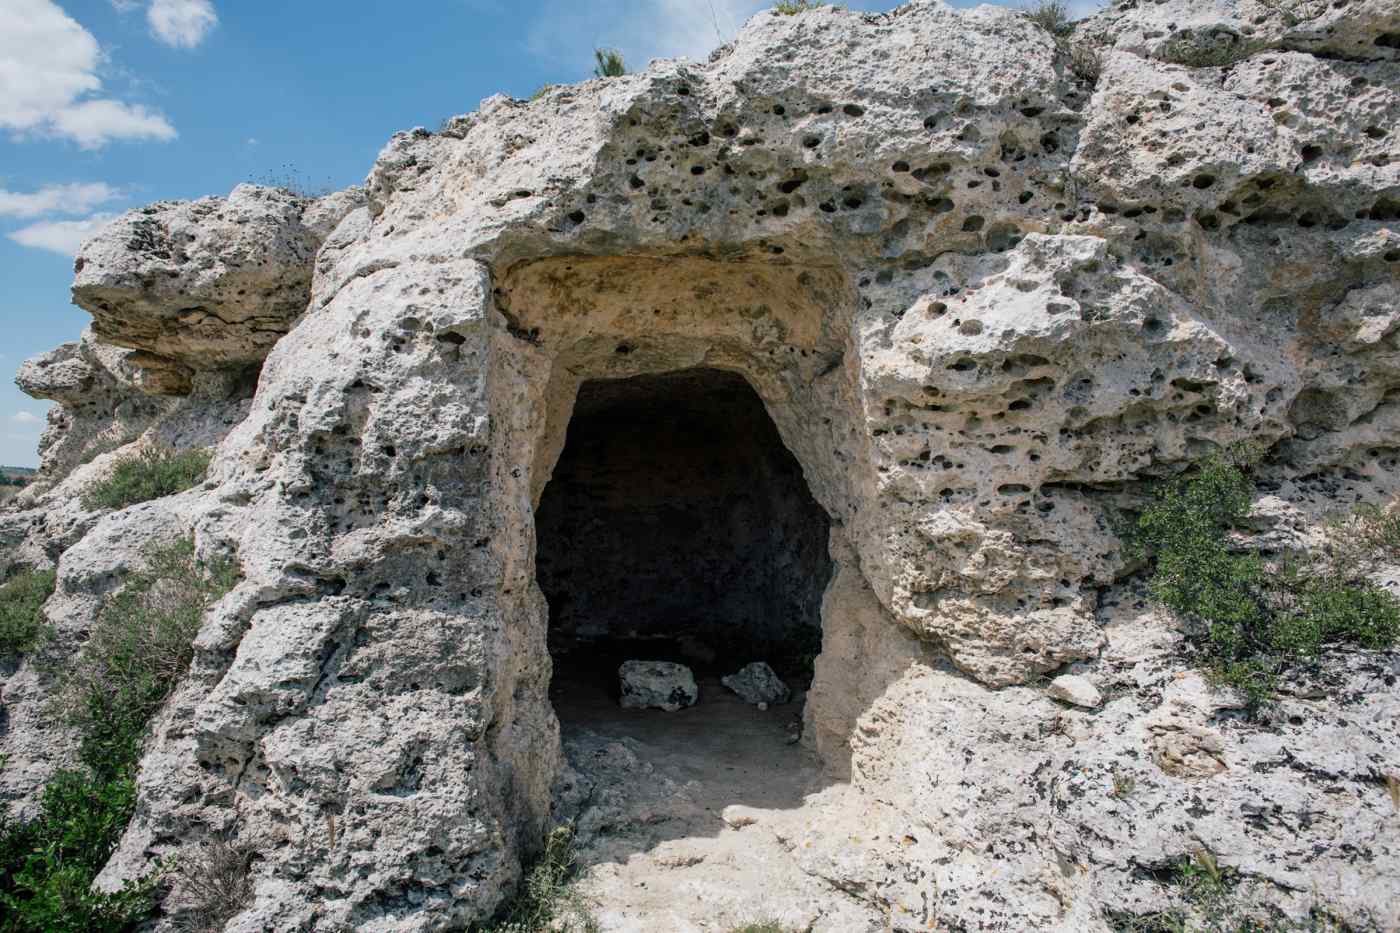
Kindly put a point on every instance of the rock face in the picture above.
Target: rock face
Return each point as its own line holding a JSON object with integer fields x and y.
{"x": 661, "y": 685}
{"x": 208, "y": 283}
{"x": 984, "y": 302}
{"x": 758, "y": 683}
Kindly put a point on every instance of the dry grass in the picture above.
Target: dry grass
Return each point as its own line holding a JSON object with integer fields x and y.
{"x": 215, "y": 884}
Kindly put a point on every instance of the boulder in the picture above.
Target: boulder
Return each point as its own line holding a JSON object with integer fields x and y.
{"x": 1075, "y": 690}
{"x": 204, "y": 284}
{"x": 657, "y": 685}
{"x": 757, "y": 683}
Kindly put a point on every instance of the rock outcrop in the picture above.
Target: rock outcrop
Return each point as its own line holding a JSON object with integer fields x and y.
{"x": 986, "y": 295}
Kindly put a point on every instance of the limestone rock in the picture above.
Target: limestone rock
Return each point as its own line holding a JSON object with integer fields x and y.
{"x": 759, "y": 684}
{"x": 987, "y": 304}
{"x": 209, "y": 283}
{"x": 1075, "y": 690}
{"x": 661, "y": 685}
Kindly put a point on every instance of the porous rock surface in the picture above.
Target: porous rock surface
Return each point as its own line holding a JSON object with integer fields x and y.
{"x": 985, "y": 303}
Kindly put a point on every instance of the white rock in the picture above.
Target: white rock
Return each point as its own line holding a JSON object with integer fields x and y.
{"x": 1076, "y": 690}
{"x": 757, "y": 683}
{"x": 657, "y": 685}
{"x": 987, "y": 306}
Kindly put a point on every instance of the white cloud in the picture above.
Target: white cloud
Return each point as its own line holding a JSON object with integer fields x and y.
{"x": 26, "y": 417}
{"x": 49, "y": 83}
{"x": 181, "y": 23}
{"x": 56, "y": 199}
{"x": 93, "y": 122}
{"x": 60, "y": 236}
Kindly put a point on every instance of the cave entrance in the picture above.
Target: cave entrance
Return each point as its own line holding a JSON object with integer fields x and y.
{"x": 678, "y": 527}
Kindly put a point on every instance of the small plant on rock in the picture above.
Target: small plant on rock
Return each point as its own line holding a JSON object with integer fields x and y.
{"x": 1085, "y": 61}
{"x": 22, "y": 626}
{"x": 139, "y": 648}
{"x": 609, "y": 63}
{"x": 546, "y": 899}
{"x": 1252, "y": 620}
{"x": 215, "y": 884}
{"x": 1052, "y": 16}
{"x": 793, "y": 7}
{"x": 1293, "y": 12}
{"x": 153, "y": 473}
{"x": 1218, "y": 50}
{"x": 135, "y": 655}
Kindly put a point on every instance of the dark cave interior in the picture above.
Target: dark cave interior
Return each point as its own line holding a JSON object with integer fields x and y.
{"x": 677, "y": 526}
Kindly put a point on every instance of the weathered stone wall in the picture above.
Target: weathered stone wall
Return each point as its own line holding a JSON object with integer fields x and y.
{"x": 984, "y": 301}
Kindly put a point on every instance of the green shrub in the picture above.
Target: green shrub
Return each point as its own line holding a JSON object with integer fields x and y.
{"x": 1218, "y": 50}
{"x": 793, "y": 7}
{"x": 609, "y": 63}
{"x": 137, "y": 651}
{"x": 47, "y": 865}
{"x": 1251, "y": 620}
{"x": 546, "y": 899}
{"x": 22, "y": 626}
{"x": 151, "y": 474}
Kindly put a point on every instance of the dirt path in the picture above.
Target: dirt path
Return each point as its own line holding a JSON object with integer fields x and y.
{"x": 695, "y": 820}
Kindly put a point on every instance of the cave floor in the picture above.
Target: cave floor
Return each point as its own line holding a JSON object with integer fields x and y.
{"x": 696, "y": 820}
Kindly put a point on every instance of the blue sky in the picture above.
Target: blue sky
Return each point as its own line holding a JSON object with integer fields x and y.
{"x": 108, "y": 104}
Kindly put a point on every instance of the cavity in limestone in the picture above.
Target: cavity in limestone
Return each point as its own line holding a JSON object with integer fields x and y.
{"x": 677, "y": 526}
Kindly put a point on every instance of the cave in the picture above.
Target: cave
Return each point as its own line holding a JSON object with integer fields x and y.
{"x": 676, "y": 526}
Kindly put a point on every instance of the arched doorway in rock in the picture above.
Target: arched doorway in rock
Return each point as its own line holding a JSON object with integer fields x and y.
{"x": 677, "y": 526}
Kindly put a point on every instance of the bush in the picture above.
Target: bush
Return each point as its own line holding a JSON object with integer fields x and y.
{"x": 47, "y": 865}
{"x": 793, "y": 7}
{"x": 151, "y": 474}
{"x": 545, "y": 899}
{"x": 1085, "y": 61}
{"x": 610, "y": 63}
{"x": 1052, "y": 16}
{"x": 1252, "y": 620}
{"x": 1219, "y": 50}
{"x": 216, "y": 884}
{"x": 137, "y": 651}
{"x": 22, "y": 626}
{"x": 1293, "y": 12}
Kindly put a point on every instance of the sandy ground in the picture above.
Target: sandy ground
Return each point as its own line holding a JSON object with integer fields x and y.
{"x": 696, "y": 820}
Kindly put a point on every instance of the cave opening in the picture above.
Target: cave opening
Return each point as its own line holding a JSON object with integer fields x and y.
{"x": 676, "y": 526}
